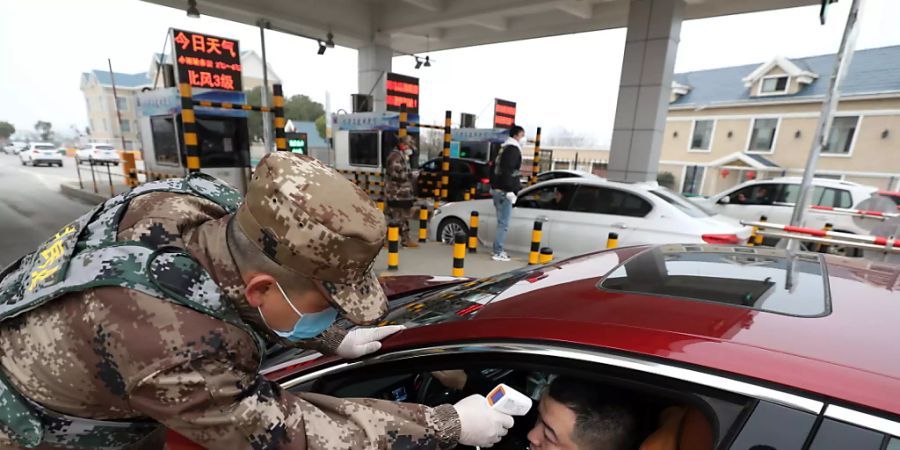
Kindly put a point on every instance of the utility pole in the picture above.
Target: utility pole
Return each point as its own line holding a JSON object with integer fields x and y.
{"x": 112, "y": 76}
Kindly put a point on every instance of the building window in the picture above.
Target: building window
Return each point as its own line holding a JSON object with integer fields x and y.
{"x": 774, "y": 85}
{"x": 122, "y": 103}
{"x": 701, "y": 138}
{"x": 126, "y": 126}
{"x": 841, "y": 137}
{"x": 693, "y": 180}
{"x": 762, "y": 137}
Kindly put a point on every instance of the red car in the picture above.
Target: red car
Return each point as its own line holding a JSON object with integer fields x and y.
{"x": 763, "y": 349}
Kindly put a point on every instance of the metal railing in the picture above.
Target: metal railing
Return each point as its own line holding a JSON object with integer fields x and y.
{"x": 95, "y": 173}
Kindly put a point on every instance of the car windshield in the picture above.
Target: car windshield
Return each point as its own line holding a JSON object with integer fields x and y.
{"x": 104, "y": 147}
{"x": 44, "y": 147}
{"x": 681, "y": 203}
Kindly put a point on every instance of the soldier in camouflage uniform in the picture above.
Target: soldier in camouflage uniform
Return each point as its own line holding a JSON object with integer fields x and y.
{"x": 154, "y": 311}
{"x": 399, "y": 189}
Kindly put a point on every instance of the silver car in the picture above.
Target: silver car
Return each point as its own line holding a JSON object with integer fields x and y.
{"x": 579, "y": 213}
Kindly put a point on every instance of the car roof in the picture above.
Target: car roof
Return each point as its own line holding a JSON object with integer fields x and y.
{"x": 848, "y": 353}
{"x": 598, "y": 181}
{"x": 819, "y": 182}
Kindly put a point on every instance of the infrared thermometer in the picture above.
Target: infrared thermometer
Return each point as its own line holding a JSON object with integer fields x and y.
{"x": 508, "y": 400}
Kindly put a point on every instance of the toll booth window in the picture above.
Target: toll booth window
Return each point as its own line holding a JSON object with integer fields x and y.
{"x": 729, "y": 276}
{"x": 364, "y": 148}
{"x": 165, "y": 143}
{"x": 474, "y": 150}
{"x": 223, "y": 142}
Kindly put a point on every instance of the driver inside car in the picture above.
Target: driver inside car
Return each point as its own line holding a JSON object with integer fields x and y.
{"x": 572, "y": 414}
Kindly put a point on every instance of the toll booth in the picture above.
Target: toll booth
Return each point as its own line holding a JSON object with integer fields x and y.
{"x": 363, "y": 141}
{"x": 480, "y": 144}
{"x": 222, "y": 135}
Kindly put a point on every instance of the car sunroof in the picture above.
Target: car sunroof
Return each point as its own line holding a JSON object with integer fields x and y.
{"x": 762, "y": 279}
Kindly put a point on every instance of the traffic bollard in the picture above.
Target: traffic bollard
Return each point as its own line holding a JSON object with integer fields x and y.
{"x": 393, "y": 246}
{"x": 758, "y": 239}
{"x": 472, "y": 193}
{"x": 130, "y": 169}
{"x": 380, "y": 203}
{"x": 823, "y": 248}
{"x": 534, "y": 255}
{"x": 612, "y": 241}
{"x": 473, "y": 232}
{"x": 546, "y": 255}
{"x": 459, "y": 254}
{"x": 437, "y": 198}
{"x": 423, "y": 224}
{"x": 466, "y": 196}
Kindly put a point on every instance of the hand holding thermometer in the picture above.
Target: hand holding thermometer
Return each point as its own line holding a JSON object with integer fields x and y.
{"x": 508, "y": 400}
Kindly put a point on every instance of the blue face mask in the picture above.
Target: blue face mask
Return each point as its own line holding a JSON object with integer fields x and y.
{"x": 310, "y": 325}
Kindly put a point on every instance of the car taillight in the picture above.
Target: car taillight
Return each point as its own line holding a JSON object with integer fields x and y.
{"x": 485, "y": 180}
{"x": 721, "y": 239}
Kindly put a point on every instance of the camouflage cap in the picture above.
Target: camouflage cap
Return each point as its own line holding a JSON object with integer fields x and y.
{"x": 312, "y": 221}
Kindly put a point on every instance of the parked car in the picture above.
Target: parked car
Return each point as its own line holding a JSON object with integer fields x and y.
{"x": 9, "y": 149}
{"x": 893, "y": 196}
{"x": 95, "y": 153}
{"x": 464, "y": 174}
{"x": 40, "y": 153}
{"x": 13, "y": 148}
{"x": 748, "y": 359}
{"x": 775, "y": 199}
{"x": 563, "y": 173}
{"x": 579, "y": 213}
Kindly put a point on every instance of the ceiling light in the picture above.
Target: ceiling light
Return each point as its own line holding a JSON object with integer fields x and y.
{"x": 322, "y": 47}
{"x": 427, "y": 61}
{"x": 192, "y": 10}
{"x": 330, "y": 41}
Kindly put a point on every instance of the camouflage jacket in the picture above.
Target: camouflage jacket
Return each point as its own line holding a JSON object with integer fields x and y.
{"x": 399, "y": 183}
{"x": 113, "y": 353}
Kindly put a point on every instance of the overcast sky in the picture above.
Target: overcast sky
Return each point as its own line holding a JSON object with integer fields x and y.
{"x": 566, "y": 82}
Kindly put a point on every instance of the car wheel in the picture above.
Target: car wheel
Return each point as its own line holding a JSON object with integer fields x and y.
{"x": 23, "y": 162}
{"x": 449, "y": 228}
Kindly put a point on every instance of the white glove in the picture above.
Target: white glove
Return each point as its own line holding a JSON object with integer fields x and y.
{"x": 481, "y": 425}
{"x": 362, "y": 341}
{"x": 511, "y": 196}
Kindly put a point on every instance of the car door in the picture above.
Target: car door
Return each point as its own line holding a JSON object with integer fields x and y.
{"x": 751, "y": 202}
{"x": 545, "y": 204}
{"x": 594, "y": 213}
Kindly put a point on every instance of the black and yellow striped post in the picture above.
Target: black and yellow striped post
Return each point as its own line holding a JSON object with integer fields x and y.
{"x": 473, "y": 232}
{"x": 612, "y": 240}
{"x": 459, "y": 255}
{"x": 546, "y": 255}
{"x": 534, "y": 255}
{"x": 380, "y": 203}
{"x": 189, "y": 128}
{"x": 423, "y": 224}
{"x": 445, "y": 160}
{"x": 278, "y": 109}
{"x": 437, "y": 197}
{"x": 466, "y": 196}
{"x": 402, "y": 131}
{"x": 393, "y": 246}
{"x": 758, "y": 238}
{"x": 536, "y": 159}
{"x": 472, "y": 192}
{"x": 130, "y": 169}
{"x": 823, "y": 248}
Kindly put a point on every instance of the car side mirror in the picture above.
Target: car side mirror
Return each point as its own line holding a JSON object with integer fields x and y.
{"x": 724, "y": 200}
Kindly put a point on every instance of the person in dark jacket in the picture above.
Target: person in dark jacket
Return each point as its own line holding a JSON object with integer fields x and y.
{"x": 505, "y": 184}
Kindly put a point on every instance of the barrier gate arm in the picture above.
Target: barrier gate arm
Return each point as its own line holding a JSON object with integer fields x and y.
{"x": 876, "y": 215}
{"x": 882, "y": 243}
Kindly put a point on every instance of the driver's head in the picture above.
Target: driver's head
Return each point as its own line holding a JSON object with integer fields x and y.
{"x": 575, "y": 415}
{"x": 304, "y": 241}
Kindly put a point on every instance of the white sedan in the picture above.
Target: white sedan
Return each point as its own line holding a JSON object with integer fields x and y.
{"x": 579, "y": 213}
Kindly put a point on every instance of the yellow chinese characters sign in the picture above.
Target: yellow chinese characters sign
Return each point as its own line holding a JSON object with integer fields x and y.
{"x": 50, "y": 258}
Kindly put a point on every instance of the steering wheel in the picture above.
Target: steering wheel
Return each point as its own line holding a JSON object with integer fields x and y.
{"x": 432, "y": 393}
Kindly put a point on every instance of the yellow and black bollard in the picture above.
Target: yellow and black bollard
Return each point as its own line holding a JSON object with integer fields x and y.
{"x": 128, "y": 166}
{"x": 612, "y": 241}
{"x": 466, "y": 196}
{"x": 823, "y": 248}
{"x": 473, "y": 232}
{"x": 459, "y": 254}
{"x": 536, "y": 159}
{"x": 189, "y": 128}
{"x": 758, "y": 238}
{"x": 380, "y": 203}
{"x": 472, "y": 193}
{"x": 423, "y": 224}
{"x": 445, "y": 157}
{"x": 534, "y": 255}
{"x": 437, "y": 196}
{"x": 393, "y": 246}
{"x": 278, "y": 110}
{"x": 546, "y": 255}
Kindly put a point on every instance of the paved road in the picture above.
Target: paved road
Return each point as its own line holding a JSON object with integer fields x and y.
{"x": 31, "y": 205}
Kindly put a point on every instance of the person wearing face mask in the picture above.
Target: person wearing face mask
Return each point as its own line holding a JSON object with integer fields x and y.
{"x": 505, "y": 184}
{"x": 399, "y": 189}
{"x": 154, "y": 311}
